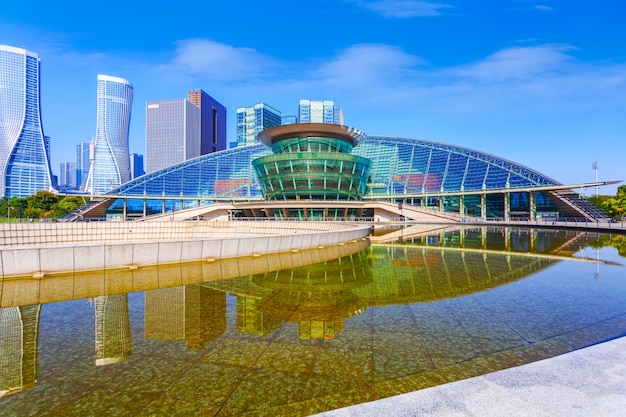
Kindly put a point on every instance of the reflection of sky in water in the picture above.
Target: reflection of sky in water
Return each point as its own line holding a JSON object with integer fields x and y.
{"x": 387, "y": 320}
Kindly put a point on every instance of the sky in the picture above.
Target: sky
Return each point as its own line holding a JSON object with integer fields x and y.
{"x": 541, "y": 83}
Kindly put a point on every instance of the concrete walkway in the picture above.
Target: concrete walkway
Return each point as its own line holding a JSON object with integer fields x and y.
{"x": 586, "y": 382}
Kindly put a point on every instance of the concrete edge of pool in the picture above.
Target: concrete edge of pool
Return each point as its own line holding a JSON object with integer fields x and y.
{"x": 586, "y": 382}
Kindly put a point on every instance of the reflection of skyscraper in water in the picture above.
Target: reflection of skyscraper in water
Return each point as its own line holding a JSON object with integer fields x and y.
{"x": 113, "y": 340}
{"x": 19, "y": 331}
{"x": 193, "y": 314}
{"x": 252, "y": 319}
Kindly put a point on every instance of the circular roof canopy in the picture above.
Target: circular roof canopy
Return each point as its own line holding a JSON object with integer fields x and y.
{"x": 310, "y": 130}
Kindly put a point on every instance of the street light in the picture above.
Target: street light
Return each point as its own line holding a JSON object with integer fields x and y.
{"x": 594, "y": 166}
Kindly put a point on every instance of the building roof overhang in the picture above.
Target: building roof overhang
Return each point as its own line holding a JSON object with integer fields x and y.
{"x": 306, "y": 130}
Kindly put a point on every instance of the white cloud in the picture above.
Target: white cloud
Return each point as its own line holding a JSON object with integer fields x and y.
{"x": 543, "y": 8}
{"x": 367, "y": 65}
{"x": 219, "y": 61}
{"x": 405, "y": 8}
{"x": 518, "y": 63}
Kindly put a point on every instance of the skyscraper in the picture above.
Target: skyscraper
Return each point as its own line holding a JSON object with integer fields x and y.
{"x": 82, "y": 163}
{"x": 172, "y": 132}
{"x": 319, "y": 111}
{"x": 212, "y": 121}
{"x": 111, "y": 166}
{"x": 136, "y": 165}
{"x": 288, "y": 120}
{"x": 24, "y": 154}
{"x": 68, "y": 175}
{"x": 182, "y": 129}
{"x": 252, "y": 120}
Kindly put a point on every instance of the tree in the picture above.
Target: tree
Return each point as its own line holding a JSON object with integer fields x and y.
{"x": 67, "y": 205}
{"x": 17, "y": 206}
{"x": 614, "y": 206}
{"x": 4, "y": 206}
{"x": 43, "y": 200}
{"x": 34, "y": 213}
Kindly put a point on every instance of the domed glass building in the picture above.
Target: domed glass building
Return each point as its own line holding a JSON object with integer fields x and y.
{"x": 313, "y": 162}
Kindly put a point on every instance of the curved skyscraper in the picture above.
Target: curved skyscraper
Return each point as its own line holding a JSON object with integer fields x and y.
{"x": 110, "y": 166}
{"x": 24, "y": 159}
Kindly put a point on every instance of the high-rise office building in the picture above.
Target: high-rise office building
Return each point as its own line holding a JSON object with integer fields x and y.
{"x": 111, "y": 166}
{"x": 212, "y": 121}
{"x": 82, "y": 163}
{"x": 67, "y": 175}
{"x": 288, "y": 120}
{"x": 136, "y": 165}
{"x": 254, "y": 119}
{"x": 172, "y": 132}
{"x": 319, "y": 111}
{"x": 182, "y": 129}
{"x": 24, "y": 150}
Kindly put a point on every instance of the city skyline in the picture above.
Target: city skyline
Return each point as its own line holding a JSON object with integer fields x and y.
{"x": 540, "y": 83}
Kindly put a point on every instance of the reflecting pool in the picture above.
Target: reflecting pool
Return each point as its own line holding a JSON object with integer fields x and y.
{"x": 297, "y": 334}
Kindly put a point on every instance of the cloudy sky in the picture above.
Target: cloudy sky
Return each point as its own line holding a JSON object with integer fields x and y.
{"x": 542, "y": 83}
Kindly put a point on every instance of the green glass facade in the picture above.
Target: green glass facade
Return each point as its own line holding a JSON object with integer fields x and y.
{"x": 313, "y": 164}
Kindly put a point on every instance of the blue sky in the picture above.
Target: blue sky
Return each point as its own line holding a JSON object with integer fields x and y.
{"x": 542, "y": 83}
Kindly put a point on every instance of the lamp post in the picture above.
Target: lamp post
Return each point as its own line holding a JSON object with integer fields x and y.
{"x": 594, "y": 166}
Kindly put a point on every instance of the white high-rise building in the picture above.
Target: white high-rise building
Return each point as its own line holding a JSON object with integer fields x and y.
{"x": 172, "y": 132}
{"x": 319, "y": 111}
{"x": 24, "y": 154}
{"x": 110, "y": 166}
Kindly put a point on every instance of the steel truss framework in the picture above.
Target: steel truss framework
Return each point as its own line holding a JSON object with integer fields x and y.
{"x": 401, "y": 168}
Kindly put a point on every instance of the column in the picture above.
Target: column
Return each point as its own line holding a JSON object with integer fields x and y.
{"x": 483, "y": 208}
{"x": 506, "y": 207}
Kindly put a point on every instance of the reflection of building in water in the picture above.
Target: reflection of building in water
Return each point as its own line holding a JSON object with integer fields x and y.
{"x": 561, "y": 242}
{"x": 317, "y": 297}
{"x": 315, "y": 329}
{"x": 192, "y": 314}
{"x": 252, "y": 319}
{"x": 19, "y": 331}
{"x": 320, "y": 297}
{"x": 113, "y": 341}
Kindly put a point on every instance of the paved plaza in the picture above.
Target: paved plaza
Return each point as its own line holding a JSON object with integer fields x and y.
{"x": 586, "y": 382}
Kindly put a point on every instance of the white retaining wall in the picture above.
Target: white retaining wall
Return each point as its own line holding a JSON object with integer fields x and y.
{"x": 35, "y": 250}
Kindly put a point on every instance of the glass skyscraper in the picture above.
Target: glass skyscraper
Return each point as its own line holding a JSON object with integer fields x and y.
{"x": 111, "y": 167}
{"x": 252, "y": 120}
{"x": 82, "y": 163}
{"x": 136, "y": 165}
{"x": 24, "y": 157}
{"x": 319, "y": 111}
{"x": 212, "y": 121}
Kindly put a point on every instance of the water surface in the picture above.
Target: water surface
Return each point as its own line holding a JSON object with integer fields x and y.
{"x": 430, "y": 308}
